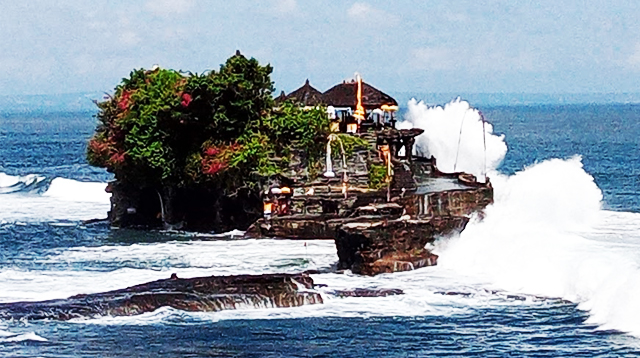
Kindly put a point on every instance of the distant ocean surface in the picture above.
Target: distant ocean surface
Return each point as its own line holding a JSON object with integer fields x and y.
{"x": 550, "y": 272}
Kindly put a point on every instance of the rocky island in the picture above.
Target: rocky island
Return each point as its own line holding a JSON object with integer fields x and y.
{"x": 215, "y": 152}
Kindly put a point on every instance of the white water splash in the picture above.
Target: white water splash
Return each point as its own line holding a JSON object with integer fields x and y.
{"x": 453, "y": 134}
{"x": 30, "y": 336}
{"x": 15, "y": 183}
{"x": 76, "y": 191}
{"x": 64, "y": 199}
{"x": 545, "y": 235}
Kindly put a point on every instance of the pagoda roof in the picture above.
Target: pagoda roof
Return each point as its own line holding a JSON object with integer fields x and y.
{"x": 281, "y": 98}
{"x": 344, "y": 95}
{"x": 307, "y": 95}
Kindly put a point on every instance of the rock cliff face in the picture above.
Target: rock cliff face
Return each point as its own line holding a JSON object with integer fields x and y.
{"x": 214, "y": 293}
{"x": 371, "y": 248}
{"x": 193, "y": 209}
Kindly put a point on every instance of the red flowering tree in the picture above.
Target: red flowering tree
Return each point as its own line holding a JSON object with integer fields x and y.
{"x": 159, "y": 119}
{"x": 167, "y": 130}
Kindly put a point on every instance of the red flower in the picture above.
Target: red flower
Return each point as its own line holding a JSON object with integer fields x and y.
{"x": 95, "y": 146}
{"x": 125, "y": 100}
{"x": 212, "y": 167}
{"x": 117, "y": 158}
{"x": 186, "y": 99}
{"x": 211, "y": 151}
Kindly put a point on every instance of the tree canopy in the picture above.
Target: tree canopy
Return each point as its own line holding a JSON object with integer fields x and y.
{"x": 167, "y": 128}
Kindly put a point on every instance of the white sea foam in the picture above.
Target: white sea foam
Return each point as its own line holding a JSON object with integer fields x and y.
{"x": 15, "y": 183}
{"x": 455, "y": 136}
{"x": 8, "y": 180}
{"x": 89, "y": 270}
{"x": 9, "y": 337}
{"x": 546, "y": 235}
{"x": 98, "y": 269}
{"x": 64, "y": 199}
{"x": 30, "y": 336}
{"x": 75, "y": 191}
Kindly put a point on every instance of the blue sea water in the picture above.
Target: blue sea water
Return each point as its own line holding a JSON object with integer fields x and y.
{"x": 47, "y": 189}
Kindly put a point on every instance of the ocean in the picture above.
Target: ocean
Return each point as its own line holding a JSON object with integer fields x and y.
{"x": 551, "y": 271}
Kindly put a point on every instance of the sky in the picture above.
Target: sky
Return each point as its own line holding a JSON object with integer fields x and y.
{"x": 466, "y": 46}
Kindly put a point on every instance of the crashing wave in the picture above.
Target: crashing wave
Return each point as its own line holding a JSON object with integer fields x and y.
{"x": 31, "y": 183}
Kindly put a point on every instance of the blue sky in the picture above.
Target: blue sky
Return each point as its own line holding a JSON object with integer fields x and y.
{"x": 494, "y": 46}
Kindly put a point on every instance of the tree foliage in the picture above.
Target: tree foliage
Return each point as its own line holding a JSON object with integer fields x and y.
{"x": 166, "y": 128}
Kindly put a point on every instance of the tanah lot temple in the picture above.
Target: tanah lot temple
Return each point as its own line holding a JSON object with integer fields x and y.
{"x": 354, "y": 106}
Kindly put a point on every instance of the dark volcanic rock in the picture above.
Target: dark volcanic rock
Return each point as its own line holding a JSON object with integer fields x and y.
{"x": 214, "y": 293}
{"x": 372, "y": 248}
{"x": 367, "y": 292}
{"x": 195, "y": 208}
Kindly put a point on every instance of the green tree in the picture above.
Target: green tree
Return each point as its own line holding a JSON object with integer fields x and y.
{"x": 166, "y": 130}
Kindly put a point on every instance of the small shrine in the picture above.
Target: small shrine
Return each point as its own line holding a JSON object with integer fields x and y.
{"x": 354, "y": 106}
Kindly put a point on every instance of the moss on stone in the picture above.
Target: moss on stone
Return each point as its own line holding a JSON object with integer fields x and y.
{"x": 377, "y": 176}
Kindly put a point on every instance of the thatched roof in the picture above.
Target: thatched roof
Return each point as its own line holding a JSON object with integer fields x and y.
{"x": 344, "y": 95}
{"x": 307, "y": 95}
{"x": 281, "y": 98}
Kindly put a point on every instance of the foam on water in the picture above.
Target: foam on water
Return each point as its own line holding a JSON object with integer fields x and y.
{"x": 63, "y": 199}
{"x": 30, "y": 336}
{"x": 15, "y": 183}
{"x": 105, "y": 268}
{"x": 546, "y": 235}
{"x": 98, "y": 269}
{"x": 11, "y": 337}
{"x": 75, "y": 191}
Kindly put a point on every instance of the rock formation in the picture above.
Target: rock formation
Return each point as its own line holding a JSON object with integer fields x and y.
{"x": 376, "y": 229}
{"x": 201, "y": 294}
{"x": 214, "y": 293}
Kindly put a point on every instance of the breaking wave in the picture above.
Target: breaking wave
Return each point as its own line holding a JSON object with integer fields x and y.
{"x": 455, "y": 136}
{"x": 8, "y": 337}
{"x": 26, "y": 183}
{"x": 73, "y": 190}
{"x": 546, "y": 235}
{"x": 35, "y": 197}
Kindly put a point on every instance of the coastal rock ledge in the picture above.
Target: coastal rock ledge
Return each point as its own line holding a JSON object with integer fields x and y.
{"x": 199, "y": 294}
{"x": 205, "y": 294}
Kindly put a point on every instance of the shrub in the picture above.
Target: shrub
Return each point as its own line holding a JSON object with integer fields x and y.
{"x": 167, "y": 128}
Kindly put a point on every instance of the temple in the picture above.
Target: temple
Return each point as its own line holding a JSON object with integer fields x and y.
{"x": 381, "y": 204}
{"x": 354, "y": 106}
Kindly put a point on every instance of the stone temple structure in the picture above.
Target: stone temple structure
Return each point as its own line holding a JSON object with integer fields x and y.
{"x": 381, "y": 204}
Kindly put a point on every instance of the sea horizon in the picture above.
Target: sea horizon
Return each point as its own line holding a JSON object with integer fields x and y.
{"x": 85, "y": 101}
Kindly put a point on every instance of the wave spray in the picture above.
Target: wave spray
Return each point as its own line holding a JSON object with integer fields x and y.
{"x": 546, "y": 233}
{"x": 456, "y": 136}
